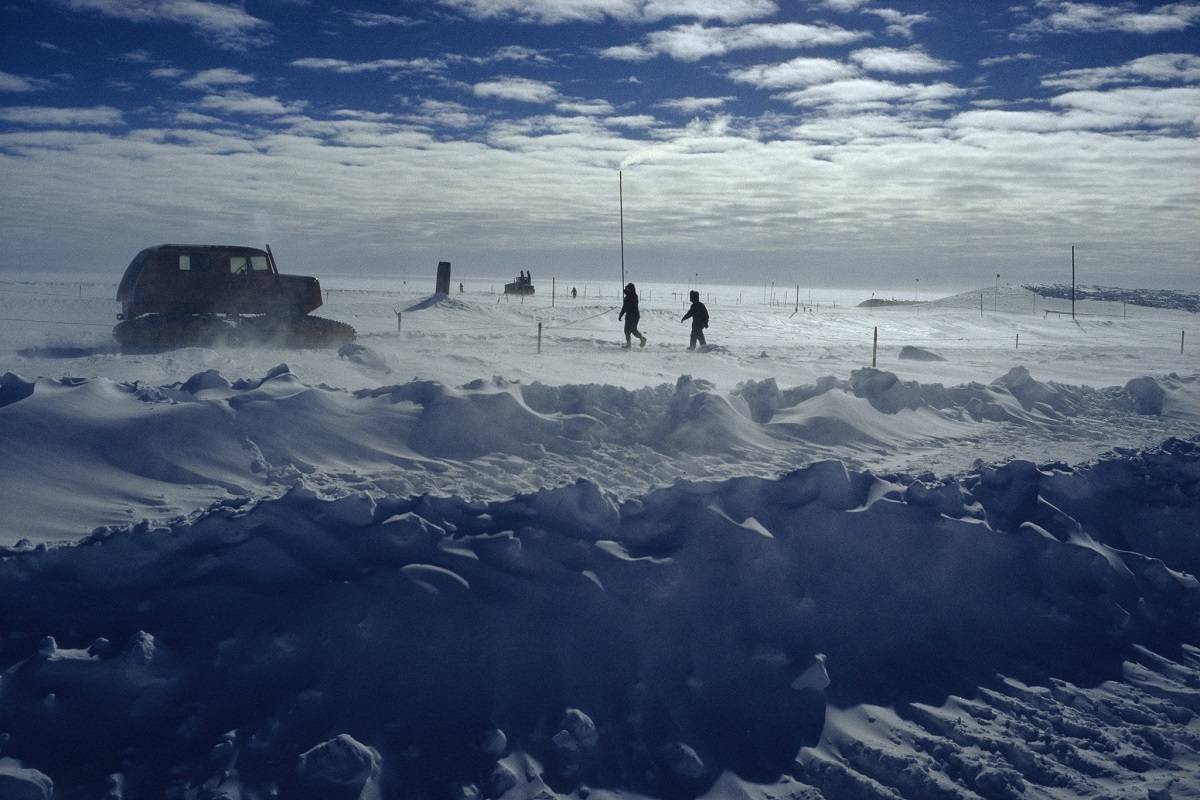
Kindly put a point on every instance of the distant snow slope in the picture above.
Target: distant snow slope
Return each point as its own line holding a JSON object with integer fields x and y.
{"x": 1150, "y": 298}
{"x": 1018, "y": 632}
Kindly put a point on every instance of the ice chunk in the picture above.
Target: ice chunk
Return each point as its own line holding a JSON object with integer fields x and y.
{"x": 208, "y": 379}
{"x": 339, "y": 769}
{"x": 1145, "y": 395}
{"x": 17, "y": 782}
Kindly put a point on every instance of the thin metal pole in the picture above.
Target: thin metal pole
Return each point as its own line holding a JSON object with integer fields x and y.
{"x": 539, "y": 337}
{"x": 552, "y": 280}
{"x": 397, "y": 322}
{"x": 1018, "y": 347}
{"x": 874, "y": 346}
{"x": 1072, "y": 281}
{"x": 621, "y": 195}
{"x": 1181, "y": 333}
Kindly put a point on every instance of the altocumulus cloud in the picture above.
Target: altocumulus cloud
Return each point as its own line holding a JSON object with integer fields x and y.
{"x": 559, "y": 11}
{"x": 1063, "y": 16}
{"x": 227, "y": 26}
{"x": 524, "y": 90}
{"x": 694, "y": 41}
{"x": 96, "y": 116}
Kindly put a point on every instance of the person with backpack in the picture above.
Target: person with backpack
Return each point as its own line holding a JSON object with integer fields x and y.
{"x": 629, "y": 310}
{"x": 699, "y": 316}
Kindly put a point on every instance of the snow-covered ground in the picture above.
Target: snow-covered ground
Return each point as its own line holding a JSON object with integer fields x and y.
{"x": 763, "y": 570}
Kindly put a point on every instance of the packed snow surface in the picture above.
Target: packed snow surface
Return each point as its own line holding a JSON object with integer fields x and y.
{"x": 438, "y": 563}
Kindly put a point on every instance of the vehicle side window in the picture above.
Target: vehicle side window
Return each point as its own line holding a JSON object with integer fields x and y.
{"x": 243, "y": 264}
{"x": 193, "y": 262}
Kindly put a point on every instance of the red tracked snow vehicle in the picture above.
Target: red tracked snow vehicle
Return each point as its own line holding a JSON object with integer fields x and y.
{"x": 182, "y": 295}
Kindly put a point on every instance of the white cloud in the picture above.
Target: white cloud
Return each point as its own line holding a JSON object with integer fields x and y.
{"x": 514, "y": 52}
{"x": 138, "y": 57}
{"x": 694, "y": 42}
{"x": 1141, "y": 106}
{"x": 899, "y": 23}
{"x": 192, "y": 118}
{"x": 628, "y": 52}
{"x": 444, "y": 114}
{"x": 994, "y": 60}
{"x": 1064, "y": 16}
{"x": 51, "y": 47}
{"x": 96, "y": 116}
{"x": 715, "y": 10}
{"x": 552, "y": 12}
{"x": 1160, "y": 67}
{"x": 914, "y": 60}
{"x": 866, "y": 94}
{"x": 1127, "y": 109}
{"x": 215, "y": 78}
{"x": 367, "y": 116}
{"x": 523, "y": 90}
{"x": 584, "y": 107}
{"x": 19, "y": 83}
{"x": 371, "y": 19}
{"x": 166, "y": 73}
{"x": 379, "y": 65}
{"x": 690, "y": 105}
{"x": 239, "y": 102}
{"x": 227, "y": 26}
{"x": 845, "y": 6}
{"x": 795, "y": 73}
{"x": 631, "y": 121}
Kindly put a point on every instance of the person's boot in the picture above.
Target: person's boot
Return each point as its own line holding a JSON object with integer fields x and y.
{"x": 643, "y": 341}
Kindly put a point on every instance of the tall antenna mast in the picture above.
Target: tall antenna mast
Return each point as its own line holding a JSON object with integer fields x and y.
{"x": 1072, "y": 281}
{"x": 621, "y": 196}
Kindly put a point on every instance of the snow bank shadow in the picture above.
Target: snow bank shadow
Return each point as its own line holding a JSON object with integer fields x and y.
{"x": 561, "y": 637}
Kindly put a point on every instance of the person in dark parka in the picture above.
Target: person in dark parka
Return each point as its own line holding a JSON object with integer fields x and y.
{"x": 629, "y": 310}
{"x": 699, "y": 316}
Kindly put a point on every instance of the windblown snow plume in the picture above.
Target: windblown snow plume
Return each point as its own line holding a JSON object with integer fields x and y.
{"x": 432, "y": 646}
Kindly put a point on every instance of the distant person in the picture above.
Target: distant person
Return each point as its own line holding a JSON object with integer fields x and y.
{"x": 574, "y": 293}
{"x": 629, "y": 310}
{"x": 699, "y": 316}
{"x": 460, "y": 287}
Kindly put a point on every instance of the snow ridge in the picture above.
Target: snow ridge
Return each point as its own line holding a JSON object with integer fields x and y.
{"x": 121, "y": 452}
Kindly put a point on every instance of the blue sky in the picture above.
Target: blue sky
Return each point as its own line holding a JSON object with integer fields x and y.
{"x": 824, "y": 142}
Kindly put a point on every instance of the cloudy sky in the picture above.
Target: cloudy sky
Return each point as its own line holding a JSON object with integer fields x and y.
{"x": 865, "y": 142}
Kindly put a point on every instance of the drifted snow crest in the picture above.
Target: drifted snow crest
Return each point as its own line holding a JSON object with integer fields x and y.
{"x": 351, "y": 648}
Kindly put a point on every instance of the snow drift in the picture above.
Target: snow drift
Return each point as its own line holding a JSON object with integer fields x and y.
{"x": 427, "y": 646}
{"x": 100, "y": 452}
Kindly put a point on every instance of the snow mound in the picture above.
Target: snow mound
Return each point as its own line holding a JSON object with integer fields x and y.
{"x": 440, "y": 300}
{"x": 365, "y": 357}
{"x": 913, "y": 353}
{"x": 14, "y": 388}
{"x": 562, "y": 639}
